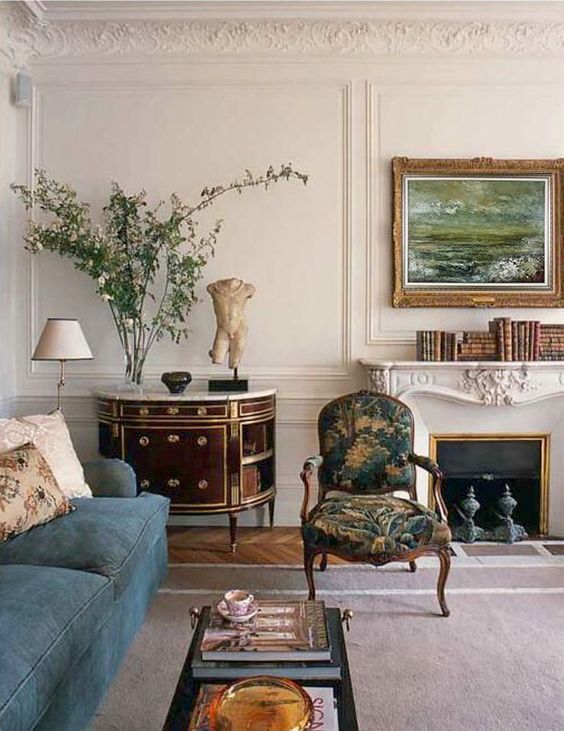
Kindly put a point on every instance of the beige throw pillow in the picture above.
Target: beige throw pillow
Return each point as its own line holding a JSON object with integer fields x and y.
{"x": 49, "y": 433}
{"x": 29, "y": 494}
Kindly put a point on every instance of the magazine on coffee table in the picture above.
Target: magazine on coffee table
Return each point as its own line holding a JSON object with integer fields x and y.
{"x": 324, "y": 708}
{"x": 281, "y": 631}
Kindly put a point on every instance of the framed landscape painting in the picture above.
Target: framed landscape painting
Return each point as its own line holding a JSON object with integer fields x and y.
{"x": 477, "y": 233}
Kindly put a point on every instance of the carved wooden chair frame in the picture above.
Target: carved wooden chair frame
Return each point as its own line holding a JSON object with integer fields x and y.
{"x": 378, "y": 559}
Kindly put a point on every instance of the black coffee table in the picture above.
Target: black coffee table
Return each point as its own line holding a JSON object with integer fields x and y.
{"x": 196, "y": 672}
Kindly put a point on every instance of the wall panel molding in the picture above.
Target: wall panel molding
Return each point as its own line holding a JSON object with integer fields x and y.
{"x": 379, "y": 195}
{"x": 378, "y": 277}
{"x": 260, "y": 373}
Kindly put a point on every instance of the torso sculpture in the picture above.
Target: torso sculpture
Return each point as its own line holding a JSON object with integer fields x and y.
{"x": 229, "y": 298}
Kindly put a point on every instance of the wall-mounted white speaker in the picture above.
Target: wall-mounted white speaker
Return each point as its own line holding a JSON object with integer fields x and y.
{"x": 23, "y": 90}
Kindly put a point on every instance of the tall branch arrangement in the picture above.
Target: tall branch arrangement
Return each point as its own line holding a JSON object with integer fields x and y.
{"x": 134, "y": 241}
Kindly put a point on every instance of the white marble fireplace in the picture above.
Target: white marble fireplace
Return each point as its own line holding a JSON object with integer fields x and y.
{"x": 490, "y": 398}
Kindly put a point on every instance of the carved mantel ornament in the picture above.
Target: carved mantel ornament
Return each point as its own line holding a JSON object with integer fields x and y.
{"x": 379, "y": 380}
{"x": 496, "y": 386}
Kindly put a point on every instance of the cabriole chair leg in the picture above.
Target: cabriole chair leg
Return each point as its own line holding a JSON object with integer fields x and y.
{"x": 309, "y": 556}
{"x": 412, "y": 566}
{"x": 323, "y": 562}
{"x": 444, "y": 558}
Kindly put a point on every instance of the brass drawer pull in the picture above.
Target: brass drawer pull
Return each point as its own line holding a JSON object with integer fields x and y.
{"x": 144, "y": 441}
{"x": 203, "y": 484}
{"x": 202, "y": 411}
{"x": 202, "y": 441}
{"x": 173, "y": 438}
{"x": 173, "y": 482}
{"x": 143, "y": 411}
{"x": 172, "y": 410}
{"x": 145, "y": 484}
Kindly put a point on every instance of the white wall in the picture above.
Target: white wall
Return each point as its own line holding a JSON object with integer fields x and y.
{"x": 320, "y": 256}
{"x": 8, "y": 235}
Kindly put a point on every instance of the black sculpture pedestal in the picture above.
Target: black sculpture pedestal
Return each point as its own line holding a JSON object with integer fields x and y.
{"x": 232, "y": 385}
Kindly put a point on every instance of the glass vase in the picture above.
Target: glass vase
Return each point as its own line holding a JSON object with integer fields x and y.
{"x": 133, "y": 370}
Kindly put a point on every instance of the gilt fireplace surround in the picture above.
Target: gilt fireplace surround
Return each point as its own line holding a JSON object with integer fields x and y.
{"x": 482, "y": 398}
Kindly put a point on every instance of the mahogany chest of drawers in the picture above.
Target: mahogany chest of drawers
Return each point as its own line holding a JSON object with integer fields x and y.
{"x": 209, "y": 453}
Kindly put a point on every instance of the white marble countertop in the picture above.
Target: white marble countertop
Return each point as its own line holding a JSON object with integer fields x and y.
{"x": 155, "y": 394}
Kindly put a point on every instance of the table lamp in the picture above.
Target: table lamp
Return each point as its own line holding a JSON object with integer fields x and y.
{"x": 62, "y": 339}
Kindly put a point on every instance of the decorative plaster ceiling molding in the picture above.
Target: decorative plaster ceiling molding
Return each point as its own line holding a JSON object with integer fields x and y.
{"x": 24, "y": 37}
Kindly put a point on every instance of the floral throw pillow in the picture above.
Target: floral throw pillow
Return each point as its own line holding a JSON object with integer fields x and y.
{"x": 29, "y": 494}
{"x": 49, "y": 433}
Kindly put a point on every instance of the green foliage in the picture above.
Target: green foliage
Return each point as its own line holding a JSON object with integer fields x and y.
{"x": 125, "y": 253}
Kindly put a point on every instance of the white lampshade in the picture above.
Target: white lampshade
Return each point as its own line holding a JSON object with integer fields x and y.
{"x": 62, "y": 339}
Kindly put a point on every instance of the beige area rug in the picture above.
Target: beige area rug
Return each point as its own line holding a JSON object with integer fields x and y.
{"x": 497, "y": 663}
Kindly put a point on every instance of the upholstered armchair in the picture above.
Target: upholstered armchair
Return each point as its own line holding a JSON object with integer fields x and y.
{"x": 366, "y": 453}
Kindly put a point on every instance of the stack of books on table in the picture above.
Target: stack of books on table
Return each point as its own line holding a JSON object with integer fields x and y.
{"x": 287, "y": 639}
{"x": 324, "y": 708}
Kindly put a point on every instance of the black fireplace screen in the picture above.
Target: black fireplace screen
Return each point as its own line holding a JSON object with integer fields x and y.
{"x": 490, "y": 465}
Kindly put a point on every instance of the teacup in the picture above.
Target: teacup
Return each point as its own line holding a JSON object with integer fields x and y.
{"x": 238, "y": 601}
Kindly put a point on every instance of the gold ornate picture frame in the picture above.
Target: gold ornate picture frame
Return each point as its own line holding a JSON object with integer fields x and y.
{"x": 477, "y": 233}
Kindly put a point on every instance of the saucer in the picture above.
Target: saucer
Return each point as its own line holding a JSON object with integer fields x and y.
{"x": 224, "y": 611}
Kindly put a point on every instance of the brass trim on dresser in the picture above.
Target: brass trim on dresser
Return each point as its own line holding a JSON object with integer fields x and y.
{"x": 260, "y": 412}
{"x": 182, "y": 419}
{"x": 260, "y": 497}
{"x": 264, "y": 497}
{"x": 259, "y": 457}
{"x": 235, "y": 488}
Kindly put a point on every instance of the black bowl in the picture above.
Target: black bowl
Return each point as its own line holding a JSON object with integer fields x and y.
{"x": 176, "y": 381}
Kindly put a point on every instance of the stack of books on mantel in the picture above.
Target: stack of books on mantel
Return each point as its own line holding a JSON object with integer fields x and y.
{"x": 286, "y": 638}
{"x": 505, "y": 340}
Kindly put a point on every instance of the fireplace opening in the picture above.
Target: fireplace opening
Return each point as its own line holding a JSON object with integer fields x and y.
{"x": 487, "y": 469}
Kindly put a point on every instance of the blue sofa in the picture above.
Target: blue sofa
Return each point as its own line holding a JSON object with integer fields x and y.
{"x": 73, "y": 593}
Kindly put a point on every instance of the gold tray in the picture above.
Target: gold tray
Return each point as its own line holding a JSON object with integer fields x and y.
{"x": 262, "y": 703}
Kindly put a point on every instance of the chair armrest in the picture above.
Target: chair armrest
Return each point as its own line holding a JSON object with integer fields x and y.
{"x": 310, "y": 465}
{"x": 432, "y": 467}
{"x": 313, "y": 463}
{"x": 426, "y": 463}
{"x": 110, "y": 478}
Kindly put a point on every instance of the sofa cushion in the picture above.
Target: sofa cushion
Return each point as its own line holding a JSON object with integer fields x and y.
{"x": 364, "y": 525}
{"x": 103, "y": 535}
{"x": 29, "y": 494}
{"x": 49, "y": 433}
{"x": 48, "y": 618}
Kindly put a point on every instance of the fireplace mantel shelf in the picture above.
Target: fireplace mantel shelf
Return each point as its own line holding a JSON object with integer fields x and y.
{"x": 490, "y": 383}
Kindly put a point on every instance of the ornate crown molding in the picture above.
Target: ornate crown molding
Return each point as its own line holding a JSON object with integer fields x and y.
{"x": 24, "y": 37}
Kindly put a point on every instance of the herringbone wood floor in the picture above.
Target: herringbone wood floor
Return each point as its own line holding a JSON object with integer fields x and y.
{"x": 254, "y": 545}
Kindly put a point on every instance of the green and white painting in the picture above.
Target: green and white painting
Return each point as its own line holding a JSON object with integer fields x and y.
{"x": 476, "y": 231}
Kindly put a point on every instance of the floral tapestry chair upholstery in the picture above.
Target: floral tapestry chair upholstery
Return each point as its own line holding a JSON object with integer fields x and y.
{"x": 366, "y": 453}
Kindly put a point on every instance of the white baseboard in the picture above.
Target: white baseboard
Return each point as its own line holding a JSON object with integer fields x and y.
{"x": 7, "y": 406}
